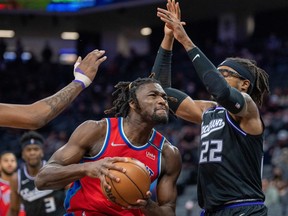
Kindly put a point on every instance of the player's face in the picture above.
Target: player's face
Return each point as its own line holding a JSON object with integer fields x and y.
{"x": 8, "y": 163}
{"x": 153, "y": 103}
{"x": 32, "y": 155}
{"x": 232, "y": 77}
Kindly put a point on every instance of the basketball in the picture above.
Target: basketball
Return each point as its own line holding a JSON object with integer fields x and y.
{"x": 132, "y": 186}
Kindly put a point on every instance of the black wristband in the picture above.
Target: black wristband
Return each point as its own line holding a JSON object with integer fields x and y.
{"x": 175, "y": 93}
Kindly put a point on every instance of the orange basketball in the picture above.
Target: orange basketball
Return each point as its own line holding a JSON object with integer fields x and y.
{"x": 133, "y": 184}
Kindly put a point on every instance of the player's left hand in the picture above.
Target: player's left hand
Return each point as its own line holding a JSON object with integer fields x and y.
{"x": 142, "y": 203}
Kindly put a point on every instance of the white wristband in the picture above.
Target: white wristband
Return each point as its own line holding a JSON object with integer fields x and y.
{"x": 80, "y": 76}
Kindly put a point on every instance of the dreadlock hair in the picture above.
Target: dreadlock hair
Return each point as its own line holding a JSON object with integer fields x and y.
{"x": 261, "y": 85}
{"x": 125, "y": 93}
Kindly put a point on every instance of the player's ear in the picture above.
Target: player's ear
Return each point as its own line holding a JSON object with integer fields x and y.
{"x": 245, "y": 85}
{"x": 132, "y": 104}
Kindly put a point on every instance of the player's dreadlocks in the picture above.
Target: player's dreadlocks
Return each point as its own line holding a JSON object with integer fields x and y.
{"x": 125, "y": 93}
{"x": 261, "y": 85}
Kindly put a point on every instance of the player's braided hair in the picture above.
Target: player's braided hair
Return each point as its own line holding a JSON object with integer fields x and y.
{"x": 125, "y": 93}
{"x": 261, "y": 85}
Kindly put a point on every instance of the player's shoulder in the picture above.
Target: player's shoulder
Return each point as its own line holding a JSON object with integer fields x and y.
{"x": 91, "y": 127}
{"x": 93, "y": 124}
{"x": 169, "y": 148}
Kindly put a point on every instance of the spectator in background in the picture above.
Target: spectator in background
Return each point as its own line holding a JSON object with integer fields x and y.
{"x": 19, "y": 50}
{"x": 8, "y": 165}
{"x": 3, "y": 47}
{"x": 279, "y": 182}
{"x": 47, "y": 53}
{"x": 272, "y": 197}
{"x": 23, "y": 190}
{"x": 280, "y": 151}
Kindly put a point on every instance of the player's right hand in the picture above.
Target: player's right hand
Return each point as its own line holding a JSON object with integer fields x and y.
{"x": 101, "y": 168}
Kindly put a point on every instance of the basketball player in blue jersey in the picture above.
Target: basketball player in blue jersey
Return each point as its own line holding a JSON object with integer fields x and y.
{"x": 231, "y": 152}
{"x": 36, "y": 115}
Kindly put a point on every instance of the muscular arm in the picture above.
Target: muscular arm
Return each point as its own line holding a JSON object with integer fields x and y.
{"x": 216, "y": 85}
{"x": 15, "y": 199}
{"x": 166, "y": 187}
{"x": 192, "y": 110}
{"x": 64, "y": 167}
{"x": 36, "y": 115}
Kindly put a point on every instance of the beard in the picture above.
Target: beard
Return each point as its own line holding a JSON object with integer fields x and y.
{"x": 163, "y": 119}
{"x": 7, "y": 173}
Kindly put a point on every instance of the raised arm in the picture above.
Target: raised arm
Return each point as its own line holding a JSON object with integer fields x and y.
{"x": 64, "y": 167}
{"x": 185, "y": 107}
{"x": 229, "y": 97}
{"x": 163, "y": 60}
{"x": 36, "y": 115}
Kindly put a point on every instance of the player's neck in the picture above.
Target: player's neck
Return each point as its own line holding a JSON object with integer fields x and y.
{"x": 138, "y": 134}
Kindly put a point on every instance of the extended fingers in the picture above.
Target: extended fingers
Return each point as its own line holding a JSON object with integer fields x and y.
{"x": 162, "y": 14}
{"x": 94, "y": 55}
{"x": 98, "y": 53}
{"x": 178, "y": 11}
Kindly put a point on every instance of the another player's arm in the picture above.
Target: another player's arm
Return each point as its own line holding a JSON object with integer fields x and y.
{"x": 64, "y": 167}
{"x": 163, "y": 60}
{"x": 214, "y": 82}
{"x": 36, "y": 115}
{"x": 166, "y": 187}
{"x": 192, "y": 110}
{"x": 15, "y": 199}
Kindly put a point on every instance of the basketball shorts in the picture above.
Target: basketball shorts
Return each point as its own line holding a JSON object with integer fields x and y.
{"x": 239, "y": 209}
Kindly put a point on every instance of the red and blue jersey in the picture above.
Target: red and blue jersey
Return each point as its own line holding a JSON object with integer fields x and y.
{"x": 5, "y": 192}
{"x": 85, "y": 195}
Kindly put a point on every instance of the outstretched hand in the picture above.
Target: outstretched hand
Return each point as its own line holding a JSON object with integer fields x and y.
{"x": 85, "y": 70}
{"x": 173, "y": 22}
{"x": 172, "y": 7}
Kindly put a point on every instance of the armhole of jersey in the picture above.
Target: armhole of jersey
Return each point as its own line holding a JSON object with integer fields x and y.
{"x": 160, "y": 155}
{"x": 105, "y": 143}
{"x": 234, "y": 124}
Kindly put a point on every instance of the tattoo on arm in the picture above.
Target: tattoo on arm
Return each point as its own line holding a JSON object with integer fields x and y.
{"x": 62, "y": 99}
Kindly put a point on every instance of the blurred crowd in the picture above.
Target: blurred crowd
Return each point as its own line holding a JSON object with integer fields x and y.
{"x": 27, "y": 81}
